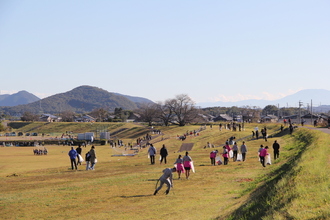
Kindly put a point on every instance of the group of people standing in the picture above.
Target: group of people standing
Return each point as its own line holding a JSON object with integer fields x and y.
{"x": 152, "y": 151}
{"x": 183, "y": 165}
{"x": 226, "y": 153}
{"x": 76, "y": 158}
{"x": 233, "y": 152}
{"x": 263, "y": 153}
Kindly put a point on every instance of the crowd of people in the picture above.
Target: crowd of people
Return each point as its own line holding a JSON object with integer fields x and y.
{"x": 40, "y": 151}
{"x": 76, "y": 158}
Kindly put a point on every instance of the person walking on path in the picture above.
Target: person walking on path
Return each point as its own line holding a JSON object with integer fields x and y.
{"x": 263, "y": 154}
{"x": 179, "y": 166}
{"x": 152, "y": 153}
{"x": 166, "y": 178}
{"x": 187, "y": 164}
{"x": 92, "y": 158}
{"x": 243, "y": 150}
{"x": 73, "y": 154}
{"x": 79, "y": 150}
{"x": 235, "y": 151}
{"x": 163, "y": 154}
{"x": 276, "y": 148}
{"x": 225, "y": 155}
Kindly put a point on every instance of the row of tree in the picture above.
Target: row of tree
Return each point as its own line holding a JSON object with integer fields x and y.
{"x": 180, "y": 110}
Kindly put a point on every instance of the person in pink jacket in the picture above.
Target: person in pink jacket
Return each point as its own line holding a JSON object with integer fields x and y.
{"x": 213, "y": 155}
{"x": 263, "y": 154}
{"x": 187, "y": 164}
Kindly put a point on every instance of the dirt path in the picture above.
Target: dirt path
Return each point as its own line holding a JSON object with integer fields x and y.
{"x": 325, "y": 130}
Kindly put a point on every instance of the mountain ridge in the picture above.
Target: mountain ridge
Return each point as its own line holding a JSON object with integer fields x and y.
{"x": 86, "y": 98}
{"x": 19, "y": 98}
{"x": 305, "y": 97}
{"x": 80, "y": 100}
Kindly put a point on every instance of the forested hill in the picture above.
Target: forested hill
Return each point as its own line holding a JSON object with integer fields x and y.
{"x": 80, "y": 100}
{"x": 19, "y": 98}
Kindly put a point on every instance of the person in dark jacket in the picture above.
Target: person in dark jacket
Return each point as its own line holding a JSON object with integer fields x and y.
{"x": 92, "y": 158}
{"x": 79, "y": 150}
{"x": 276, "y": 148}
{"x": 87, "y": 159}
{"x": 73, "y": 154}
{"x": 163, "y": 154}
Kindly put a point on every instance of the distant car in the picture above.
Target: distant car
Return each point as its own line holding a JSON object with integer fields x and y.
{"x": 13, "y": 134}
{"x": 20, "y": 133}
{"x": 34, "y": 134}
{"x": 27, "y": 134}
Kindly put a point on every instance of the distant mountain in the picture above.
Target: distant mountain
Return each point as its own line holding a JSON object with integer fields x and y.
{"x": 20, "y": 98}
{"x": 307, "y": 97}
{"x": 80, "y": 100}
{"x": 137, "y": 100}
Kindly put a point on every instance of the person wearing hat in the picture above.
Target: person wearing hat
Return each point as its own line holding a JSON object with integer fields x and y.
{"x": 166, "y": 178}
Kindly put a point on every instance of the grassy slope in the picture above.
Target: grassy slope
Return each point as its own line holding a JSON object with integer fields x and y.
{"x": 122, "y": 187}
{"x": 298, "y": 188}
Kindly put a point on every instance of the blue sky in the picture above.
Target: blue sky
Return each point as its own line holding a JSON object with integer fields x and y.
{"x": 210, "y": 50}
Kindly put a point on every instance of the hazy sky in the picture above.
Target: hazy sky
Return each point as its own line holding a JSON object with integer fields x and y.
{"x": 211, "y": 50}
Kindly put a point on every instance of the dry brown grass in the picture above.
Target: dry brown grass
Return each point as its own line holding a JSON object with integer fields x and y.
{"x": 44, "y": 187}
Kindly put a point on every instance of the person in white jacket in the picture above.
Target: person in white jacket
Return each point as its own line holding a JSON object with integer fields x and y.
{"x": 166, "y": 178}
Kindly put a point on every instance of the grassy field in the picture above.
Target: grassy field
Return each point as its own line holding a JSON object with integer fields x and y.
{"x": 296, "y": 186}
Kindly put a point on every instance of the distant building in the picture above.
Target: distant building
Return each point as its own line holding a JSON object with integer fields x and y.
{"x": 269, "y": 118}
{"x": 134, "y": 117}
{"x": 49, "y": 118}
{"x": 85, "y": 118}
{"x": 310, "y": 116}
{"x": 223, "y": 117}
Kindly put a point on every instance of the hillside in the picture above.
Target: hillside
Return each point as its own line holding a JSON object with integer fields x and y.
{"x": 80, "y": 100}
{"x": 19, "y": 98}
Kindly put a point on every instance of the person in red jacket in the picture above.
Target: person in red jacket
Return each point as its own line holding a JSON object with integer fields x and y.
{"x": 263, "y": 154}
{"x": 213, "y": 155}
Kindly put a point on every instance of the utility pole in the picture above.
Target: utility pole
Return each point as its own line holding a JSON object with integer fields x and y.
{"x": 311, "y": 112}
{"x": 300, "y": 104}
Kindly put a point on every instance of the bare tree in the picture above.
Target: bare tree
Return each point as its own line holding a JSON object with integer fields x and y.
{"x": 148, "y": 112}
{"x": 67, "y": 116}
{"x": 28, "y": 116}
{"x": 164, "y": 112}
{"x": 183, "y": 108}
{"x": 100, "y": 114}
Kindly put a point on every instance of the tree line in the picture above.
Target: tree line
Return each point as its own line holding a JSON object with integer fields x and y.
{"x": 180, "y": 110}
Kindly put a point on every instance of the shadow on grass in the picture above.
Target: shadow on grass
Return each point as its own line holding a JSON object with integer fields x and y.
{"x": 259, "y": 203}
{"x": 136, "y": 196}
{"x": 152, "y": 180}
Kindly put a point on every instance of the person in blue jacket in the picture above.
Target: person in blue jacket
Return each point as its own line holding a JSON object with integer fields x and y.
{"x": 73, "y": 155}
